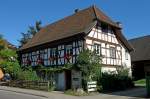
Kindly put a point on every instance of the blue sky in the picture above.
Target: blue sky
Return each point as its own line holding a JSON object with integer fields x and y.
{"x": 17, "y": 15}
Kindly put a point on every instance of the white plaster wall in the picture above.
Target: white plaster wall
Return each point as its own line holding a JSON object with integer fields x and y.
{"x": 108, "y": 69}
{"x": 126, "y": 62}
{"x": 105, "y": 52}
{"x": 104, "y": 37}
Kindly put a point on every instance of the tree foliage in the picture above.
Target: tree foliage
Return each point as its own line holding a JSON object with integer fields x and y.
{"x": 8, "y": 54}
{"x": 30, "y": 33}
{"x": 9, "y": 62}
{"x": 123, "y": 70}
{"x": 2, "y": 43}
{"x": 27, "y": 75}
{"x": 10, "y": 65}
{"x": 90, "y": 65}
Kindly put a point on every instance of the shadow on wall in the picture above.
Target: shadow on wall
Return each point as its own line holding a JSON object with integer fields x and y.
{"x": 138, "y": 71}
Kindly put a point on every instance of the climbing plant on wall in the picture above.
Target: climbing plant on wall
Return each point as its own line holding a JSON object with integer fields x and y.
{"x": 89, "y": 63}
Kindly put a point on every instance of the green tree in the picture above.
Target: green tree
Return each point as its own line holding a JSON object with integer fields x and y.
{"x": 38, "y": 26}
{"x": 9, "y": 63}
{"x": 25, "y": 38}
{"x": 90, "y": 65}
{"x": 30, "y": 33}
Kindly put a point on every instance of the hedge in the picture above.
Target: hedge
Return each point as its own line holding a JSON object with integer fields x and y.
{"x": 114, "y": 82}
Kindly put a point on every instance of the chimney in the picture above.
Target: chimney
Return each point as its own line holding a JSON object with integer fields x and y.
{"x": 119, "y": 24}
{"x": 76, "y": 10}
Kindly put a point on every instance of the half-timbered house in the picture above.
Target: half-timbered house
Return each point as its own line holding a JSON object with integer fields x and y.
{"x": 62, "y": 41}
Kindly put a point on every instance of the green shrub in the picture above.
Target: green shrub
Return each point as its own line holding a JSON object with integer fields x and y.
{"x": 89, "y": 63}
{"x": 112, "y": 82}
{"x": 123, "y": 70}
{"x": 9, "y": 62}
{"x": 28, "y": 75}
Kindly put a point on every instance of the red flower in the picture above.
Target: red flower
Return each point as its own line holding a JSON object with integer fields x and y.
{"x": 40, "y": 61}
{"x": 52, "y": 58}
{"x": 28, "y": 62}
{"x": 67, "y": 56}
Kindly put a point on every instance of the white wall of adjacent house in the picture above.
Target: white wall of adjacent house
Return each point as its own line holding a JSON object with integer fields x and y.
{"x": 126, "y": 59}
{"x": 112, "y": 51}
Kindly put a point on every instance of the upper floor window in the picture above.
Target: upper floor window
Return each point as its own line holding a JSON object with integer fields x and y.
{"x": 97, "y": 48}
{"x": 126, "y": 55}
{"x": 112, "y": 52}
{"x": 69, "y": 53}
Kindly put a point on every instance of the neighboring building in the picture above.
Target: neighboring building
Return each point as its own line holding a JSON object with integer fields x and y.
{"x": 140, "y": 57}
{"x": 62, "y": 41}
{"x": 7, "y": 45}
{"x": 10, "y": 46}
{"x": 4, "y": 43}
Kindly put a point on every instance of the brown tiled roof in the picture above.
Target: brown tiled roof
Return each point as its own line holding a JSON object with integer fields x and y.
{"x": 141, "y": 48}
{"x": 79, "y": 22}
{"x": 123, "y": 40}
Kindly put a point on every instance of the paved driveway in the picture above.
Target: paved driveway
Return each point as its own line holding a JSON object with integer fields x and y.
{"x": 135, "y": 92}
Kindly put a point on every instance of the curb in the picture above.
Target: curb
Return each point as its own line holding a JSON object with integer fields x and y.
{"x": 27, "y": 93}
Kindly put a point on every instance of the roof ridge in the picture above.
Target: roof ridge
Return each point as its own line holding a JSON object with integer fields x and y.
{"x": 139, "y": 37}
{"x": 94, "y": 9}
{"x": 98, "y": 10}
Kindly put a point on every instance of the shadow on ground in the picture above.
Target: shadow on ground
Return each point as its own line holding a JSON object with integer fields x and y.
{"x": 136, "y": 92}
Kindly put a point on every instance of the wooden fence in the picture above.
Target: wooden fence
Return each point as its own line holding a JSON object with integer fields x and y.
{"x": 39, "y": 85}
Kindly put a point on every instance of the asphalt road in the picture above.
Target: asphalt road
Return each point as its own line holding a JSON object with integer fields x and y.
{"x": 18, "y": 93}
{"x": 14, "y": 95}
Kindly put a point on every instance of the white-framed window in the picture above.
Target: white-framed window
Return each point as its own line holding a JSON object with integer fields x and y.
{"x": 126, "y": 55}
{"x": 112, "y": 52}
{"x": 97, "y": 48}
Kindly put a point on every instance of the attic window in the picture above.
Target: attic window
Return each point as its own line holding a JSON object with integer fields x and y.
{"x": 104, "y": 27}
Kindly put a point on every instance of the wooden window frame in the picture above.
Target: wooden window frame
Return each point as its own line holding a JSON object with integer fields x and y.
{"x": 112, "y": 52}
{"x": 97, "y": 48}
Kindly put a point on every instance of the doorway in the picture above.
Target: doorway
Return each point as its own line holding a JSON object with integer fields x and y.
{"x": 68, "y": 79}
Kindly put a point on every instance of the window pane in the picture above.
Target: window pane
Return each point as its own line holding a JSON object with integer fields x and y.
{"x": 112, "y": 52}
{"x": 97, "y": 48}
